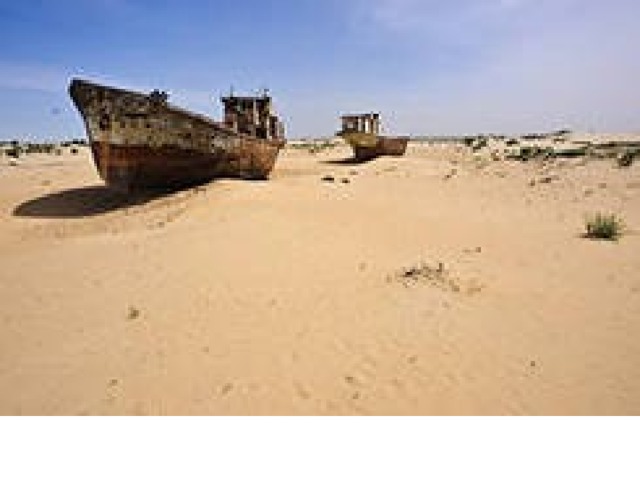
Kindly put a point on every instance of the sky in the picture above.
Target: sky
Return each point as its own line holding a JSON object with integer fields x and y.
{"x": 431, "y": 67}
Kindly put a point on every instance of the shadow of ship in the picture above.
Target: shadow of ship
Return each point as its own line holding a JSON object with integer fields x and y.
{"x": 348, "y": 161}
{"x": 82, "y": 202}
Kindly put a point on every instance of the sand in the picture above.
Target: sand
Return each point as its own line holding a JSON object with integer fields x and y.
{"x": 425, "y": 285}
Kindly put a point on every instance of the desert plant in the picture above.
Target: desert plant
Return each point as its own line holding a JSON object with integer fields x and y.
{"x": 469, "y": 141}
{"x": 479, "y": 144}
{"x": 561, "y": 133}
{"x": 533, "y": 136}
{"x": 602, "y": 226}
{"x": 626, "y": 159}
{"x": 526, "y": 153}
{"x": 529, "y": 152}
{"x": 571, "y": 152}
{"x": 13, "y": 152}
{"x": 317, "y": 146}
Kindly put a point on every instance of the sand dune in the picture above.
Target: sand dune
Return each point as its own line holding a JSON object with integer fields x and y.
{"x": 431, "y": 284}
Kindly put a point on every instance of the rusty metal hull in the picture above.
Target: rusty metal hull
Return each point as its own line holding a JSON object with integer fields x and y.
{"x": 133, "y": 167}
{"x": 141, "y": 142}
{"x": 369, "y": 146}
{"x": 394, "y": 146}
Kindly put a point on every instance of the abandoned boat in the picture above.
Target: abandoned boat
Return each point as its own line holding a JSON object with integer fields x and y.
{"x": 362, "y": 132}
{"x": 140, "y": 141}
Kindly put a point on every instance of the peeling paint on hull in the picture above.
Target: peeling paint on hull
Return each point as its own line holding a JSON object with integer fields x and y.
{"x": 141, "y": 142}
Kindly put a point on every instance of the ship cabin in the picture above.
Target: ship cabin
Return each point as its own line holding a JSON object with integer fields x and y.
{"x": 361, "y": 123}
{"x": 252, "y": 116}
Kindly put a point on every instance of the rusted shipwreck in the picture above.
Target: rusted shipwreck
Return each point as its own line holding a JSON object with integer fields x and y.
{"x": 362, "y": 132}
{"x": 140, "y": 141}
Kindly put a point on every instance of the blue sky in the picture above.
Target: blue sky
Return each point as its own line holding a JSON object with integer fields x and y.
{"x": 430, "y": 67}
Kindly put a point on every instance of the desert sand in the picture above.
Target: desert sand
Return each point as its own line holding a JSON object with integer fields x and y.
{"x": 437, "y": 283}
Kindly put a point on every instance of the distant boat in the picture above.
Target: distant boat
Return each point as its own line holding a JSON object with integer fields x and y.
{"x": 140, "y": 141}
{"x": 362, "y": 132}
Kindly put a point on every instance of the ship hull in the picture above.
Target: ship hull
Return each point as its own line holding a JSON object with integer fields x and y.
{"x": 134, "y": 167}
{"x": 394, "y": 146}
{"x": 139, "y": 142}
{"x": 368, "y": 146}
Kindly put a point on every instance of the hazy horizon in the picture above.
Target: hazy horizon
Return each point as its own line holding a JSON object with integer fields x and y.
{"x": 430, "y": 67}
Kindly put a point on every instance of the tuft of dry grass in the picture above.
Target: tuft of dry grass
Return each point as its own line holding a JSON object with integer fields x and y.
{"x": 603, "y": 226}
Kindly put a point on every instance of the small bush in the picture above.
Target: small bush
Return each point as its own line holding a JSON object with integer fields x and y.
{"x": 526, "y": 153}
{"x": 533, "y": 136}
{"x": 571, "y": 152}
{"x": 469, "y": 141}
{"x": 627, "y": 158}
{"x": 604, "y": 227}
{"x": 511, "y": 142}
{"x": 13, "y": 152}
{"x": 317, "y": 147}
{"x": 561, "y": 133}
{"x": 479, "y": 144}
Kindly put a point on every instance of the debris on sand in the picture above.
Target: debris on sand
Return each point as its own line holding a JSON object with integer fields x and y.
{"x": 435, "y": 275}
{"x": 548, "y": 178}
{"x": 133, "y": 313}
{"x": 451, "y": 174}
